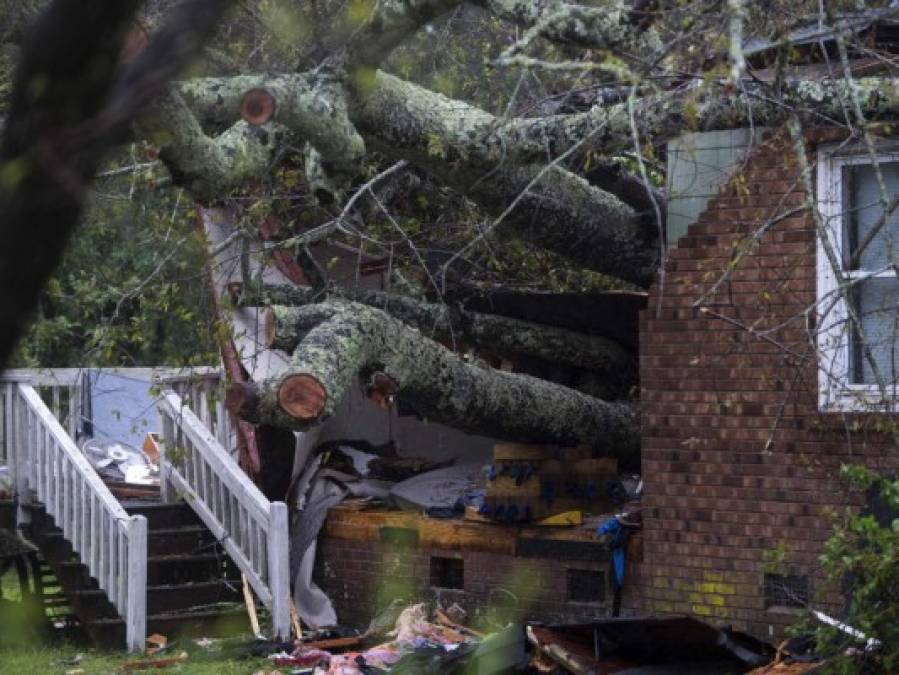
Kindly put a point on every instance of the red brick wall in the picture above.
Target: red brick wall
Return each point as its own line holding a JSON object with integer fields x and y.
{"x": 737, "y": 461}
{"x": 362, "y": 576}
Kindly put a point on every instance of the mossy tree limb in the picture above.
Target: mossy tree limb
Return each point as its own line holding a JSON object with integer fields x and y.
{"x": 500, "y": 335}
{"x": 208, "y": 166}
{"x": 357, "y": 340}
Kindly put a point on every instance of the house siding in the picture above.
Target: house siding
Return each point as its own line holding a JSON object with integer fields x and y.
{"x": 739, "y": 467}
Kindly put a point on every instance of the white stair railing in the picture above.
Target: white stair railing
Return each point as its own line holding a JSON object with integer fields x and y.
{"x": 47, "y": 465}
{"x": 252, "y": 529}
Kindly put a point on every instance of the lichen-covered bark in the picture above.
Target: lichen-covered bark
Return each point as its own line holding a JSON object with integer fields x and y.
{"x": 554, "y": 208}
{"x": 312, "y": 105}
{"x": 500, "y": 335}
{"x": 441, "y": 386}
{"x": 505, "y": 165}
{"x": 208, "y": 167}
{"x": 608, "y": 26}
{"x": 459, "y": 132}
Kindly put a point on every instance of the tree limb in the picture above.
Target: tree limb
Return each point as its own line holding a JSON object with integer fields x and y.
{"x": 438, "y": 384}
{"x": 500, "y": 335}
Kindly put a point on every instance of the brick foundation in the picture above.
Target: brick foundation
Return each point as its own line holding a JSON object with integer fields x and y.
{"x": 362, "y": 572}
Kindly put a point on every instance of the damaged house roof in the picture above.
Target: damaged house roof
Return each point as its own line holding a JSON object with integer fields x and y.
{"x": 815, "y": 41}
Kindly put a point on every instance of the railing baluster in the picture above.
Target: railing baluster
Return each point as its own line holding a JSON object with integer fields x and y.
{"x": 6, "y": 449}
{"x": 85, "y": 511}
{"x": 168, "y": 436}
{"x": 66, "y": 495}
{"x": 136, "y": 613}
{"x": 56, "y": 493}
{"x": 111, "y": 555}
{"x": 76, "y": 498}
{"x": 92, "y": 530}
{"x": 121, "y": 570}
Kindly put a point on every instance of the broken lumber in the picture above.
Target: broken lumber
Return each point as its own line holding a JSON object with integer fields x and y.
{"x": 151, "y": 664}
{"x": 251, "y": 606}
{"x": 435, "y": 382}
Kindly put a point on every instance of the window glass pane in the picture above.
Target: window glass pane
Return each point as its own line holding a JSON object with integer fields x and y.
{"x": 862, "y": 210}
{"x": 877, "y": 304}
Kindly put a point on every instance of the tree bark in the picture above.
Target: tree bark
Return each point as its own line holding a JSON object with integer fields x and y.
{"x": 545, "y": 205}
{"x": 435, "y": 382}
{"x": 500, "y": 335}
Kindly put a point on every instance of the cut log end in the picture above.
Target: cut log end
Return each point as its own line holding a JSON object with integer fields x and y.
{"x": 257, "y": 107}
{"x": 302, "y": 397}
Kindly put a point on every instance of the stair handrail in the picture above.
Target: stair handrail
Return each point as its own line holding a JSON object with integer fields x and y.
{"x": 49, "y": 466}
{"x": 252, "y": 529}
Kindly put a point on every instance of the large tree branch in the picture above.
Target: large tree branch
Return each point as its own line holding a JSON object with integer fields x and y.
{"x": 356, "y": 340}
{"x": 499, "y": 334}
{"x": 495, "y": 162}
{"x": 208, "y": 167}
{"x": 608, "y": 27}
{"x": 550, "y": 206}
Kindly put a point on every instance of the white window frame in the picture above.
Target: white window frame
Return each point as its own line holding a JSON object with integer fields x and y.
{"x": 835, "y": 391}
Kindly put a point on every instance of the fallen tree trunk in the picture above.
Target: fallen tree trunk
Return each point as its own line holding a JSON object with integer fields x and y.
{"x": 505, "y": 336}
{"x": 396, "y": 361}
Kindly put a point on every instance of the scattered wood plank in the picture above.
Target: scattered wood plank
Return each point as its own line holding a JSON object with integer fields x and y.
{"x": 153, "y": 663}
{"x": 295, "y": 620}
{"x": 335, "y": 643}
{"x": 519, "y": 451}
{"x": 444, "y": 620}
{"x": 251, "y": 605}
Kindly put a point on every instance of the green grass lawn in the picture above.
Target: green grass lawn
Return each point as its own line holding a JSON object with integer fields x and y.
{"x": 26, "y": 650}
{"x": 57, "y": 660}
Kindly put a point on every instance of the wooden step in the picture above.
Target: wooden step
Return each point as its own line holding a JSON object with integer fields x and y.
{"x": 162, "y": 570}
{"x": 187, "y": 539}
{"x": 219, "y": 622}
{"x": 92, "y": 604}
{"x": 163, "y": 516}
{"x": 193, "y": 587}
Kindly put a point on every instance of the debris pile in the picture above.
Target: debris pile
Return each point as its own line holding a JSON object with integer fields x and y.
{"x": 420, "y": 642}
{"x": 667, "y": 644}
{"x": 129, "y": 472}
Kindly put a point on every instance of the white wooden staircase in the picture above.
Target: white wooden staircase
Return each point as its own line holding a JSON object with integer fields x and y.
{"x": 129, "y": 568}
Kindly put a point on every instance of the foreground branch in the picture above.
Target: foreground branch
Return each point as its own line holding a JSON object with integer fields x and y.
{"x": 356, "y": 340}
